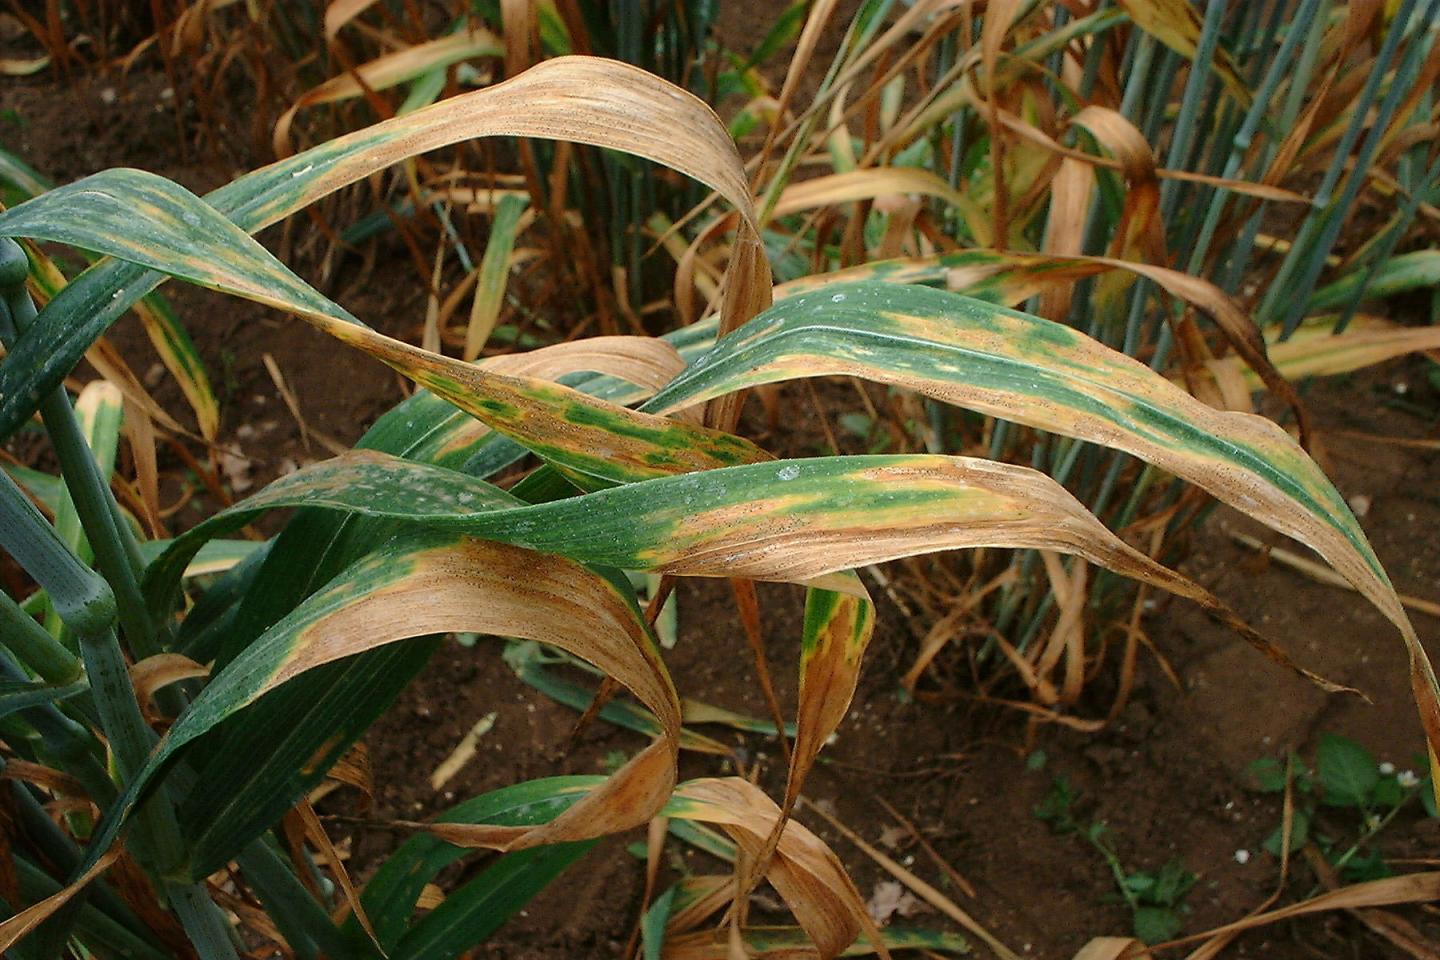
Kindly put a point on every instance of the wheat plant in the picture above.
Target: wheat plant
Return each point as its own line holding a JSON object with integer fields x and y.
{"x": 182, "y": 718}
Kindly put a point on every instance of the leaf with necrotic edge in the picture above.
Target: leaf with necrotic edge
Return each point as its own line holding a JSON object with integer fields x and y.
{"x": 305, "y": 725}
{"x": 434, "y": 582}
{"x": 185, "y": 237}
{"x": 804, "y": 521}
{"x": 584, "y": 99}
{"x": 1045, "y": 375}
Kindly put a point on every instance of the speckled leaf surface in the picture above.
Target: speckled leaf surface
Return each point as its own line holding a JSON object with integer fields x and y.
{"x": 431, "y": 582}
{"x": 584, "y": 99}
{"x": 1046, "y": 375}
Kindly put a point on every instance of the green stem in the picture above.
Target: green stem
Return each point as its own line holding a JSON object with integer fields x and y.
{"x": 1387, "y": 246}
{"x": 303, "y": 921}
{"x": 206, "y": 926}
{"x": 1195, "y": 83}
{"x": 66, "y": 743}
{"x": 93, "y": 501}
{"x": 33, "y": 645}
{"x": 120, "y": 717}
{"x": 1309, "y": 249}
{"x": 1117, "y": 869}
{"x": 57, "y": 848}
{"x": 1366, "y": 836}
{"x": 83, "y": 600}
{"x": 1298, "y": 31}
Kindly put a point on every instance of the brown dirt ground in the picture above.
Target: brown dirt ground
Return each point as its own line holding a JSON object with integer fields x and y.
{"x": 1166, "y": 777}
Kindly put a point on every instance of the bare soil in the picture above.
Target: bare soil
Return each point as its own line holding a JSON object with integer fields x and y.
{"x": 1167, "y": 777}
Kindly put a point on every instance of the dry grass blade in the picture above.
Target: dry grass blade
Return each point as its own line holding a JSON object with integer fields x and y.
{"x": 1394, "y": 928}
{"x": 998, "y": 18}
{"x": 340, "y": 12}
{"x": 1070, "y": 193}
{"x": 1314, "y": 351}
{"x": 1321, "y": 573}
{"x": 1176, "y": 24}
{"x": 1212, "y": 947}
{"x": 351, "y": 770}
{"x": 1387, "y": 892}
{"x": 140, "y": 432}
{"x": 315, "y": 832}
{"x": 749, "y": 607}
{"x": 647, "y": 362}
{"x": 1114, "y": 948}
{"x": 815, "y": 22}
{"x": 519, "y": 23}
{"x": 109, "y": 364}
{"x": 388, "y": 71}
{"x": 161, "y": 670}
{"x": 955, "y": 876}
{"x": 1067, "y": 640}
{"x": 463, "y": 753}
{"x": 703, "y": 896}
{"x": 1140, "y": 235}
{"x": 47, "y": 279}
{"x": 866, "y": 184}
{"x": 292, "y": 403}
{"x": 20, "y": 925}
{"x": 807, "y": 875}
{"x": 47, "y": 778}
{"x": 1262, "y": 191}
{"x": 920, "y": 888}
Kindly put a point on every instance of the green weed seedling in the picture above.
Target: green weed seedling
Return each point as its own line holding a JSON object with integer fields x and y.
{"x": 1366, "y": 795}
{"x": 1155, "y": 897}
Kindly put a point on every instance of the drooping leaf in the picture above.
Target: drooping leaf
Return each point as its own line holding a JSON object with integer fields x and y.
{"x": 1176, "y": 24}
{"x": 390, "y": 896}
{"x": 1010, "y": 278}
{"x": 593, "y": 101}
{"x": 801, "y": 521}
{"x": 1045, "y": 375}
{"x": 434, "y": 582}
{"x": 797, "y": 521}
{"x": 388, "y": 71}
{"x": 302, "y": 728}
{"x": 190, "y": 240}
